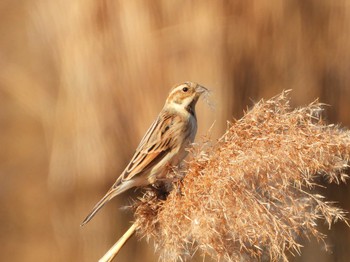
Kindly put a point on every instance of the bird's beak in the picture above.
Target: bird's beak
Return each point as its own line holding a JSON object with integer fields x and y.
{"x": 201, "y": 89}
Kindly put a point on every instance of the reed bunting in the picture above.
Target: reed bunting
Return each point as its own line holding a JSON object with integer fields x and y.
{"x": 163, "y": 145}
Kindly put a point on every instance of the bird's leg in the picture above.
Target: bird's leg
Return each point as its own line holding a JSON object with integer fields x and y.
{"x": 179, "y": 185}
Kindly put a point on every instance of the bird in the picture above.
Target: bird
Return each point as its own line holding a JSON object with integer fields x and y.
{"x": 163, "y": 146}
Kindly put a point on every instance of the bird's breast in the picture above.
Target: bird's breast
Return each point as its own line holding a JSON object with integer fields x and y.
{"x": 187, "y": 138}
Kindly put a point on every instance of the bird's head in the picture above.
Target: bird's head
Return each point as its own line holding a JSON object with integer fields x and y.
{"x": 185, "y": 96}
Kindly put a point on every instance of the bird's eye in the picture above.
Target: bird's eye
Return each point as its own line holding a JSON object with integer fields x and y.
{"x": 185, "y": 89}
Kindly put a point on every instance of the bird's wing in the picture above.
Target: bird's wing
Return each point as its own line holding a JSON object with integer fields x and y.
{"x": 160, "y": 138}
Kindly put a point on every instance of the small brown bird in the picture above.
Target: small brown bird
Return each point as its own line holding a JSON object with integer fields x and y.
{"x": 162, "y": 146}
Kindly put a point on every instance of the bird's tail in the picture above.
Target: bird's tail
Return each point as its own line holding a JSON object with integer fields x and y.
{"x": 110, "y": 194}
{"x": 119, "y": 187}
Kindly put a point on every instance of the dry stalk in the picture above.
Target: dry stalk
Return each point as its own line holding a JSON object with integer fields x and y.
{"x": 114, "y": 250}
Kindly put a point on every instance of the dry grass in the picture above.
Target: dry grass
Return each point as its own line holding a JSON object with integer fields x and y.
{"x": 251, "y": 195}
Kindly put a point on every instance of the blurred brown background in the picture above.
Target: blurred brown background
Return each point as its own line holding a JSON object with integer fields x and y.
{"x": 81, "y": 81}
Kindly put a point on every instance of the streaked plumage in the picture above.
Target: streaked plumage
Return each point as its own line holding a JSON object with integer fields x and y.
{"x": 162, "y": 146}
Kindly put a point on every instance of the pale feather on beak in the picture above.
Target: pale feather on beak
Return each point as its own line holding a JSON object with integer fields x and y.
{"x": 201, "y": 89}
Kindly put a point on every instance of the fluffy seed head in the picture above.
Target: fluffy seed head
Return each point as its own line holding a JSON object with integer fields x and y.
{"x": 251, "y": 195}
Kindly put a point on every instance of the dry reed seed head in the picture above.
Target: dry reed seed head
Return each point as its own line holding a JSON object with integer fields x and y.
{"x": 249, "y": 196}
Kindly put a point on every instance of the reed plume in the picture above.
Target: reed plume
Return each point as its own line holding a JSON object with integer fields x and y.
{"x": 251, "y": 195}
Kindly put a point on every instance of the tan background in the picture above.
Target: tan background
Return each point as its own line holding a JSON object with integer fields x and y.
{"x": 81, "y": 81}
